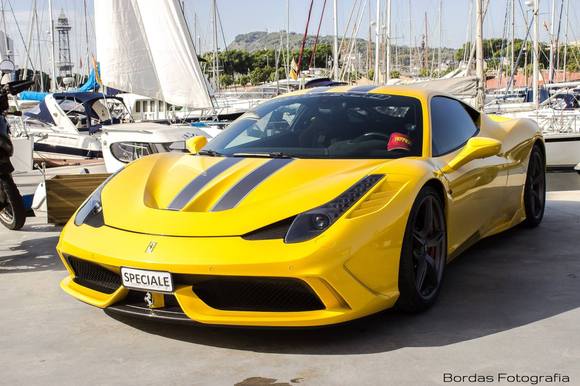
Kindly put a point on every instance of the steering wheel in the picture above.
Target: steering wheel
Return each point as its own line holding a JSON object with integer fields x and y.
{"x": 375, "y": 134}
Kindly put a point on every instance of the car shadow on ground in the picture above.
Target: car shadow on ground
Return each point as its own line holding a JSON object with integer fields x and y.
{"x": 507, "y": 281}
{"x": 31, "y": 249}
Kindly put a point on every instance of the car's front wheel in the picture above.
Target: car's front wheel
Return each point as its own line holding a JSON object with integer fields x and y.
{"x": 535, "y": 188}
{"x": 424, "y": 253}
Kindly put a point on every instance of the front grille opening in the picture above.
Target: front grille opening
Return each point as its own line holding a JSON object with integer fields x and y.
{"x": 274, "y": 231}
{"x": 94, "y": 276}
{"x": 256, "y": 294}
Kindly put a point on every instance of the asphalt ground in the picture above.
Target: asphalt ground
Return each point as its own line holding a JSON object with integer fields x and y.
{"x": 510, "y": 304}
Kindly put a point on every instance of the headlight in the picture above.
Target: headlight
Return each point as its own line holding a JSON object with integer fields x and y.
{"x": 91, "y": 211}
{"x": 310, "y": 224}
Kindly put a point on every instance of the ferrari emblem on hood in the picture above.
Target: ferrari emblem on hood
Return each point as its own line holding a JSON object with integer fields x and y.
{"x": 151, "y": 247}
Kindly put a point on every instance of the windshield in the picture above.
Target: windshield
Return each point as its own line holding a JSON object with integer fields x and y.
{"x": 327, "y": 125}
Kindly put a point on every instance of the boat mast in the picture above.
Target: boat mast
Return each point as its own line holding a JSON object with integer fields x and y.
{"x": 410, "y": 39}
{"x": 29, "y": 40}
{"x": 377, "y": 43}
{"x": 53, "y": 81}
{"x": 288, "y": 60}
{"x": 215, "y": 47}
{"x": 535, "y": 79}
{"x": 388, "y": 38}
{"x": 87, "y": 38}
{"x": 512, "y": 62}
{"x": 479, "y": 55}
{"x": 41, "y": 70}
{"x": 566, "y": 39}
{"x": 440, "y": 37}
{"x": 335, "y": 42}
{"x": 552, "y": 37}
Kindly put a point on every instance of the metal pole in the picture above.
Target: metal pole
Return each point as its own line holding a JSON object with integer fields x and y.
{"x": 566, "y": 38}
{"x": 29, "y": 40}
{"x": 87, "y": 38}
{"x": 410, "y": 39}
{"x": 513, "y": 64}
{"x": 479, "y": 55}
{"x": 335, "y": 50}
{"x": 288, "y": 60}
{"x": 41, "y": 70}
{"x": 378, "y": 43}
{"x": 52, "y": 55}
{"x": 535, "y": 80}
{"x": 440, "y": 36}
{"x": 215, "y": 47}
{"x": 551, "y": 64}
{"x": 388, "y": 48}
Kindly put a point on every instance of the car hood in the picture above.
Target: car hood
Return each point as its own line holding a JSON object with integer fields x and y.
{"x": 186, "y": 195}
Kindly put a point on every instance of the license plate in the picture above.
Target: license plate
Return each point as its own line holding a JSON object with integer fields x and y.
{"x": 142, "y": 279}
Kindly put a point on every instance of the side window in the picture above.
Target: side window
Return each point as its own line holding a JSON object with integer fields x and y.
{"x": 451, "y": 125}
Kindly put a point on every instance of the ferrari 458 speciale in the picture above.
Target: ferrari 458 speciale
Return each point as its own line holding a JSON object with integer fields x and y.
{"x": 314, "y": 208}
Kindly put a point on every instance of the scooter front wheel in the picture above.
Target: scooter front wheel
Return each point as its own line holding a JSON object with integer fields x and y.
{"x": 13, "y": 214}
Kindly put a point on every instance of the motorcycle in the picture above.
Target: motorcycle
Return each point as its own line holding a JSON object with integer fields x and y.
{"x": 12, "y": 210}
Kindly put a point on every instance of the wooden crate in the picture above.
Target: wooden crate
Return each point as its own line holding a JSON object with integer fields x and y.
{"x": 65, "y": 193}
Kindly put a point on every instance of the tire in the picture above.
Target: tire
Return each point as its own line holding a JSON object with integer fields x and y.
{"x": 424, "y": 253}
{"x": 535, "y": 189}
{"x": 13, "y": 215}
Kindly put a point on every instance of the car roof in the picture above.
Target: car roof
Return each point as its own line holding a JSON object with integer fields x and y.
{"x": 404, "y": 90}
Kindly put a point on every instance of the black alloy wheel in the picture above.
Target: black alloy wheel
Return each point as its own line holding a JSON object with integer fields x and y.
{"x": 13, "y": 213}
{"x": 535, "y": 189}
{"x": 424, "y": 253}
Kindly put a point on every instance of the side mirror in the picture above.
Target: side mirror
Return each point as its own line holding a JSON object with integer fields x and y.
{"x": 195, "y": 144}
{"x": 476, "y": 148}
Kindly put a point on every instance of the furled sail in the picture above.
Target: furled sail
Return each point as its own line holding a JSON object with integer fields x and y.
{"x": 144, "y": 47}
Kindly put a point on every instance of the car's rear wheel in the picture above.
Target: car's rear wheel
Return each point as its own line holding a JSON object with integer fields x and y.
{"x": 535, "y": 189}
{"x": 424, "y": 253}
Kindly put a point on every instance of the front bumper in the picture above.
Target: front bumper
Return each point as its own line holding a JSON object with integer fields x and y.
{"x": 321, "y": 265}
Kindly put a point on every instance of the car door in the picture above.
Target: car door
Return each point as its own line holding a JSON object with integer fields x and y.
{"x": 476, "y": 187}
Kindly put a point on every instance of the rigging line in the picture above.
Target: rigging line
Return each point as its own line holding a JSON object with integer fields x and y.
{"x": 342, "y": 40}
{"x": 313, "y": 53}
{"x": 304, "y": 38}
{"x": 20, "y": 34}
{"x": 353, "y": 39}
{"x": 525, "y": 41}
{"x": 503, "y": 42}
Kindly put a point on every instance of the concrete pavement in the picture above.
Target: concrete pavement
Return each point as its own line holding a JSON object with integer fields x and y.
{"x": 510, "y": 304}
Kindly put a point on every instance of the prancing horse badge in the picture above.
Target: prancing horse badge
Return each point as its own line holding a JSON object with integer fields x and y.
{"x": 151, "y": 247}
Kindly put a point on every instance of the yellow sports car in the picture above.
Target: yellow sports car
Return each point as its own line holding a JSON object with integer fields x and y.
{"x": 314, "y": 208}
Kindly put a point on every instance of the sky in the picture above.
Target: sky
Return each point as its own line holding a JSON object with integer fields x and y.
{"x": 241, "y": 16}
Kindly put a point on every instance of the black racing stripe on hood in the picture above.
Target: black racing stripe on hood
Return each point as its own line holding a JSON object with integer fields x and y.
{"x": 191, "y": 189}
{"x": 237, "y": 193}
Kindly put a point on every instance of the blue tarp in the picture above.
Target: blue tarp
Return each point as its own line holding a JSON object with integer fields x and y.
{"x": 90, "y": 85}
{"x": 32, "y": 95}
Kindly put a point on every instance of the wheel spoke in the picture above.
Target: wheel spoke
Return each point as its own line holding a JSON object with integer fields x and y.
{"x": 428, "y": 216}
{"x": 432, "y": 268}
{"x": 435, "y": 239}
{"x": 419, "y": 237}
{"x": 420, "y": 275}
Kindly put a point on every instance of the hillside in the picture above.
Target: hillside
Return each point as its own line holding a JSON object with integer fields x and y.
{"x": 259, "y": 40}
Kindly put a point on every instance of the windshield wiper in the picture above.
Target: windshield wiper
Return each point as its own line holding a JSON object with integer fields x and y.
{"x": 211, "y": 153}
{"x": 276, "y": 154}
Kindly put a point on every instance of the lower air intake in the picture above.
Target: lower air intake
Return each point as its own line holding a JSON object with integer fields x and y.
{"x": 256, "y": 294}
{"x": 94, "y": 276}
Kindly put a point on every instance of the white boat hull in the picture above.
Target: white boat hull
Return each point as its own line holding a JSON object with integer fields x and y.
{"x": 562, "y": 151}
